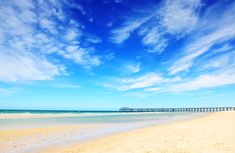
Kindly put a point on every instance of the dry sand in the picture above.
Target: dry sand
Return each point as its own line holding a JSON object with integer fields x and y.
{"x": 214, "y": 133}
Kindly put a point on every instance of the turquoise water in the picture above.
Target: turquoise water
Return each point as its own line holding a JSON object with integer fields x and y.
{"x": 13, "y": 111}
{"x": 87, "y": 117}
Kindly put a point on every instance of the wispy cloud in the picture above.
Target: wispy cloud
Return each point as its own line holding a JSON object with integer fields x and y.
{"x": 200, "y": 46}
{"x": 216, "y": 32}
{"x": 93, "y": 39}
{"x": 29, "y": 38}
{"x": 152, "y": 83}
{"x": 121, "y": 34}
{"x": 222, "y": 74}
{"x": 218, "y": 79}
{"x": 80, "y": 55}
{"x": 219, "y": 61}
{"x": 206, "y": 57}
{"x": 72, "y": 34}
{"x": 26, "y": 66}
{"x": 133, "y": 68}
{"x": 18, "y": 61}
{"x": 179, "y": 16}
{"x": 38, "y": 36}
{"x": 175, "y": 18}
{"x": 154, "y": 39}
{"x": 147, "y": 80}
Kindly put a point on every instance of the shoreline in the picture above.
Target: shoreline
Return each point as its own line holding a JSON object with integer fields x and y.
{"x": 63, "y": 138}
{"x": 213, "y": 132}
{"x": 48, "y": 115}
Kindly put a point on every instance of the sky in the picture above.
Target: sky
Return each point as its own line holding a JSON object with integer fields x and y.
{"x": 106, "y": 54}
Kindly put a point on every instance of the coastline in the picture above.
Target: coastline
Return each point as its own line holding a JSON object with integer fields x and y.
{"x": 61, "y": 138}
{"x": 53, "y": 115}
{"x": 20, "y": 133}
{"x": 213, "y": 133}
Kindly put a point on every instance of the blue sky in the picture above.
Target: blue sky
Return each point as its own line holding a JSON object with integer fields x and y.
{"x": 105, "y": 54}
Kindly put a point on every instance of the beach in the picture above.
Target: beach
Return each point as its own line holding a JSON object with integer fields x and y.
{"x": 210, "y": 132}
{"x": 213, "y": 133}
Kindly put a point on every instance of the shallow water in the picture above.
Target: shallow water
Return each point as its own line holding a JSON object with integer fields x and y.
{"x": 90, "y": 118}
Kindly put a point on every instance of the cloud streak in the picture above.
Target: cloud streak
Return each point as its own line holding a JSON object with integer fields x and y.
{"x": 217, "y": 31}
{"x": 175, "y": 18}
{"x": 179, "y": 16}
{"x": 147, "y": 80}
{"x": 29, "y": 40}
{"x": 26, "y": 66}
{"x": 121, "y": 34}
{"x": 205, "y": 57}
{"x": 206, "y": 81}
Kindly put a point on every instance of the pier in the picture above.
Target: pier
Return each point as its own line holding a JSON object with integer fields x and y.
{"x": 199, "y": 109}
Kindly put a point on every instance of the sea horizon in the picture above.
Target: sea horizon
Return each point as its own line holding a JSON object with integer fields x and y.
{"x": 35, "y": 111}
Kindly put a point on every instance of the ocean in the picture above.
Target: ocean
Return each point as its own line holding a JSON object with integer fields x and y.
{"x": 15, "y": 111}
{"x": 66, "y": 117}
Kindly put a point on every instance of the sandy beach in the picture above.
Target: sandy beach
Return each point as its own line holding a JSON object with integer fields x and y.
{"x": 214, "y": 133}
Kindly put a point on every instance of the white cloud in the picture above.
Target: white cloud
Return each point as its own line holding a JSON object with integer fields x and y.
{"x": 28, "y": 38}
{"x": 93, "y": 39}
{"x": 81, "y": 56}
{"x": 175, "y": 18}
{"x": 200, "y": 46}
{"x": 151, "y": 83}
{"x": 218, "y": 79}
{"x": 133, "y": 68}
{"x": 215, "y": 33}
{"x": 222, "y": 49}
{"x": 147, "y": 80}
{"x": 72, "y": 34}
{"x": 155, "y": 40}
{"x": 179, "y": 16}
{"x": 121, "y": 34}
{"x": 48, "y": 25}
{"x": 207, "y": 54}
{"x": 153, "y": 89}
{"x": 219, "y": 61}
{"x": 26, "y": 66}
{"x": 79, "y": 7}
{"x": 18, "y": 62}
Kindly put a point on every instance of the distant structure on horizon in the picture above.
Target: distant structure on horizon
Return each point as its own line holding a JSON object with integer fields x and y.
{"x": 200, "y": 109}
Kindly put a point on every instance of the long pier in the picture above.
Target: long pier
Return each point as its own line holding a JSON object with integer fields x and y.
{"x": 199, "y": 109}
